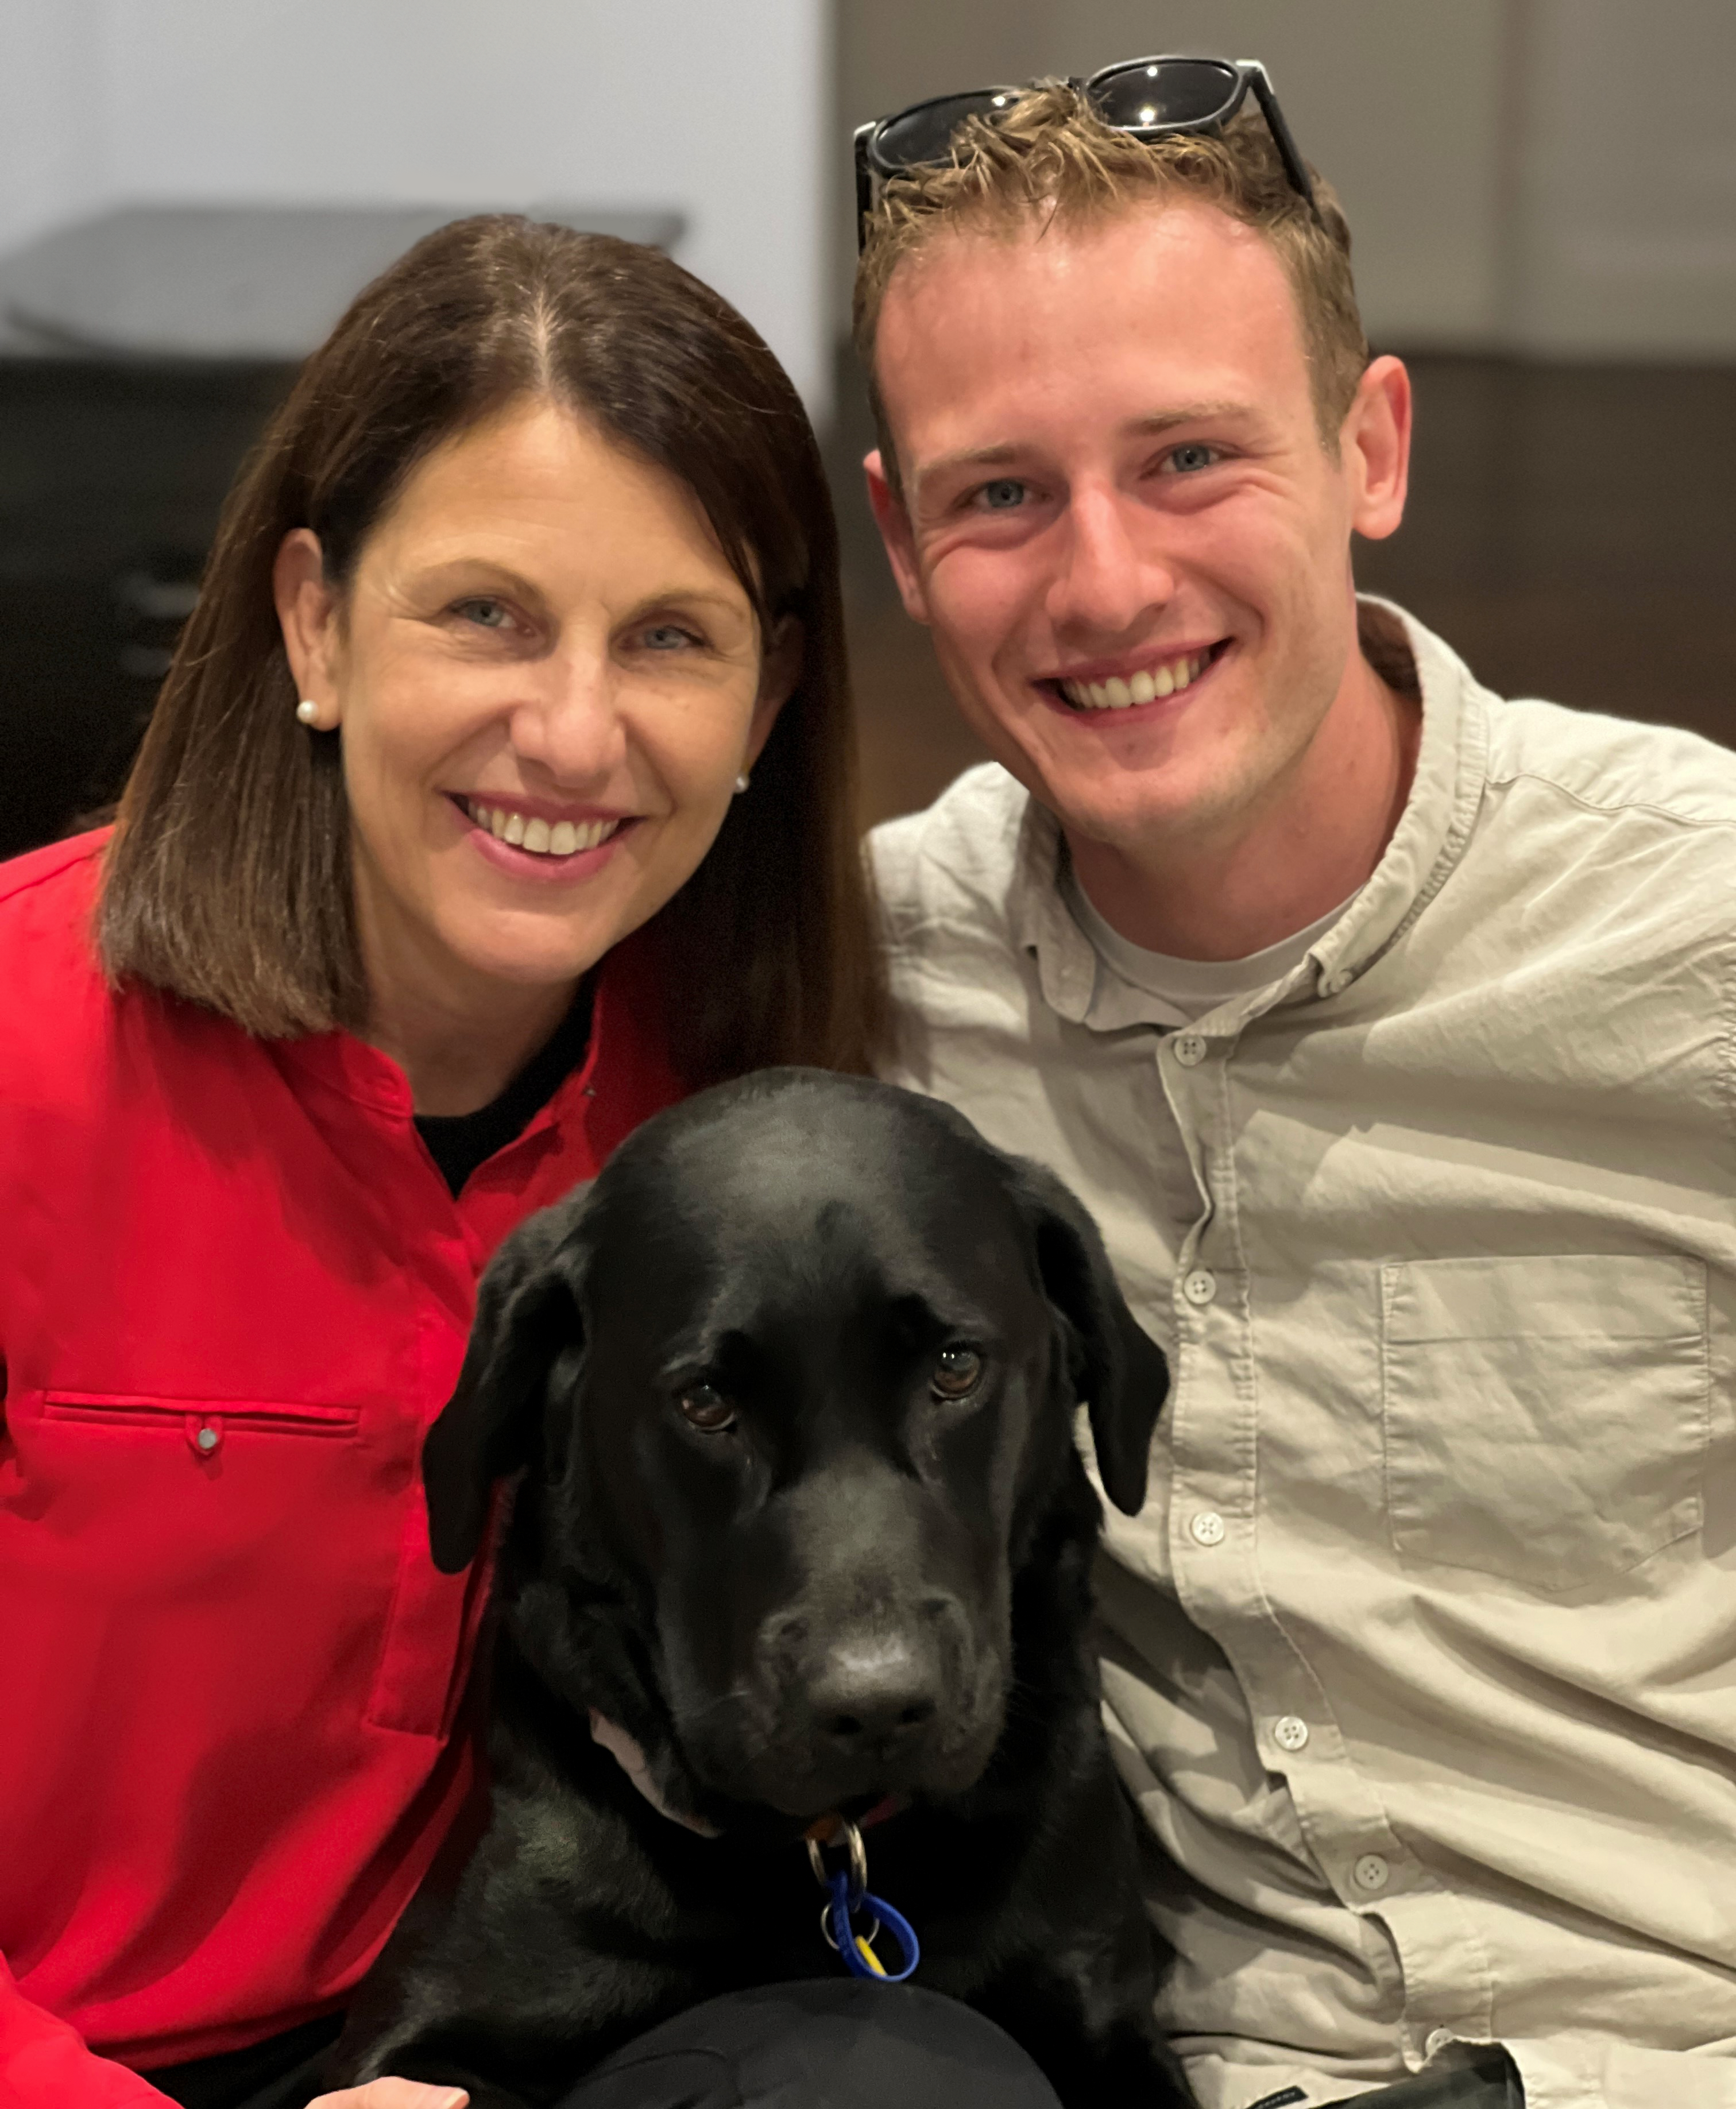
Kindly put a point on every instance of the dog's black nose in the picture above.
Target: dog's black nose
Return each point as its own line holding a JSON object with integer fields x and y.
{"x": 871, "y": 1694}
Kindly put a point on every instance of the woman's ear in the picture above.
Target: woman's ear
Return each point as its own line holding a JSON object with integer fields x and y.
{"x": 308, "y": 616}
{"x": 780, "y": 668}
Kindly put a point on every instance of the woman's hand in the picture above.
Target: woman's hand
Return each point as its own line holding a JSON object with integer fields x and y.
{"x": 392, "y": 2095}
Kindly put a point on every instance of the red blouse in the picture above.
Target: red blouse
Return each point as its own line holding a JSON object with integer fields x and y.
{"x": 234, "y": 1292}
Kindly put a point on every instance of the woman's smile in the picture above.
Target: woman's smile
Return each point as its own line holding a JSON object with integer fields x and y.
{"x": 531, "y": 840}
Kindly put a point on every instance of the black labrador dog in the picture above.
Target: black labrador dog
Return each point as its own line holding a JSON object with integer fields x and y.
{"x": 800, "y": 1532}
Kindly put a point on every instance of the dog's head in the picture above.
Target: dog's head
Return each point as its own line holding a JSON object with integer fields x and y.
{"x": 797, "y": 1372}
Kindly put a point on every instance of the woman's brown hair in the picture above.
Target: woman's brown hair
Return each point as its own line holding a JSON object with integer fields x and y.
{"x": 227, "y": 880}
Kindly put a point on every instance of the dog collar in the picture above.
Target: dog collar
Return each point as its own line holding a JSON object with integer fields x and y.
{"x": 631, "y": 1760}
{"x": 849, "y": 1898}
{"x": 845, "y": 1887}
{"x": 827, "y": 1830}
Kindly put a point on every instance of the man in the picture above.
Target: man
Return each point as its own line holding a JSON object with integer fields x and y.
{"x": 1387, "y": 1029}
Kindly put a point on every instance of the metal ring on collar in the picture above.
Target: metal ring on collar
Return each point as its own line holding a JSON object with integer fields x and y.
{"x": 852, "y": 1838}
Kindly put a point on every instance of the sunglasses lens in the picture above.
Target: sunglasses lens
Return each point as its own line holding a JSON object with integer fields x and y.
{"x": 1183, "y": 91}
{"x": 923, "y": 136}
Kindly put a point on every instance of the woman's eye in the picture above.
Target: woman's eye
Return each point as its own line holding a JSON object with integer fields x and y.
{"x": 957, "y": 1371}
{"x": 485, "y": 614}
{"x": 1195, "y": 455}
{"x": 1002, "y": 495}
{"x": 706, "y": 1408}
{"x": 669, "y": 637}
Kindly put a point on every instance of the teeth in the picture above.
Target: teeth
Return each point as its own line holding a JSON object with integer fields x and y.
{"x": 564, "y": 838}
{"x": 1146, "y": 686}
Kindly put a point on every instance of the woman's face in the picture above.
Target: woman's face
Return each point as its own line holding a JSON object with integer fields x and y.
{"x": 547, "y": 677}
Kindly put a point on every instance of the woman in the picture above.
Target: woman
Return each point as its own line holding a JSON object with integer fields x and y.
{"x": 499, "y": 795}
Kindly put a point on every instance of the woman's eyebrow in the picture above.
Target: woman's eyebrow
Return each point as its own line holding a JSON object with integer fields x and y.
{"x": 483, "y": 574}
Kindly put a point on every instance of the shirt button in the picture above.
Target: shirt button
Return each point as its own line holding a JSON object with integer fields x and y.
{"x": 1338, "y": 981}
{"x": 1290, "y": 1732}
{"x": 1200, "y": 1286}
{"x": 1189, "y": 1050}
{"x": 1371, "y": 1872}
{"x": 206, "y": 1440}
{"x": 1207, "y": 1528}
{"x": 1437, "y": 2041}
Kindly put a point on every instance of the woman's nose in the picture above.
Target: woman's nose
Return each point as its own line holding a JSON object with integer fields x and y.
{"x": 571, "y": 725}
{"x": 1109, "y": 576}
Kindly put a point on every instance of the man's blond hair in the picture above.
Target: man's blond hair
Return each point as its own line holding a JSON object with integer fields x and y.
{"x": 1051, "y": 158}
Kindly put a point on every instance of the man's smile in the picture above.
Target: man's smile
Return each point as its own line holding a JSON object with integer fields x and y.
{"x": 1125, "y": 684}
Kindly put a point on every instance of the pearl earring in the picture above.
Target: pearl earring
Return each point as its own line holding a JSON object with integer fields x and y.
{"x": 742, "y": 782}
{"x": 307, "y": 709}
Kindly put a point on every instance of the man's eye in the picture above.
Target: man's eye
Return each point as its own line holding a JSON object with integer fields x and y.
{"x": 1002, "y": 495}
{"x": 1195, "y": 455}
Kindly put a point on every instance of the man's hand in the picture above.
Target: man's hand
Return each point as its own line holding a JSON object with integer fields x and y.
{"x": 393, "y": 2094}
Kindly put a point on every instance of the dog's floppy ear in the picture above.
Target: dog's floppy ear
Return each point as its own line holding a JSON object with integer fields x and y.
{"x": 525, "y": 1315}
{"x": 1117, "y": 1369}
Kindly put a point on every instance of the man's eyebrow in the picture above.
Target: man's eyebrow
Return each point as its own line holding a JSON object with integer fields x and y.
{"x": 995, "y": 457}
{"x": 1188, "y": 414}
{"x": 1005, "y": 453}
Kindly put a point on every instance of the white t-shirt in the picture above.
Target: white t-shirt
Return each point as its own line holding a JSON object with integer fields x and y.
{"x": 1187, "y": 989}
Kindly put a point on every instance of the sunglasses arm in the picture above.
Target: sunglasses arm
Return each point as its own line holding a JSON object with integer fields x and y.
{"x": 863, "y": 183}
{"x": 1294, "y": 167}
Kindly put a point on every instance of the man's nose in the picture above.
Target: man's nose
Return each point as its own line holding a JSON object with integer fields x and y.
{"x": 1109, "y": 574}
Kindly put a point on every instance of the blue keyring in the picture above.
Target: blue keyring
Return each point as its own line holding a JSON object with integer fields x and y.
{"x": 839, "y": 1931}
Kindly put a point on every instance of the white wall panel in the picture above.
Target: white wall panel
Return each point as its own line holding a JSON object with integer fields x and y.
{"x": 719, "y": 111}
{"x": 51, "y": 114}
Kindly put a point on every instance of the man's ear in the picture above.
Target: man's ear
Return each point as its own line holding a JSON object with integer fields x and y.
{"x": 1374, "y": 445}
{"x": 527, "y": 1312}
{"x": 893, "y": 520}
{"x": 1115, "y": 1368}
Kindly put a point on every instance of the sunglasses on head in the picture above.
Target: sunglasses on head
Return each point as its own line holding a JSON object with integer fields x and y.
{"x": 1147, "y": 98}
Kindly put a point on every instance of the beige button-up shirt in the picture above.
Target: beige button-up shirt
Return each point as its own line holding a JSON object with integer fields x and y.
{"x": 1420, "y": 1661}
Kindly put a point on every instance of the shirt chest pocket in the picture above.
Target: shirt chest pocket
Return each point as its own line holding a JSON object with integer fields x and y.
{"x": 1545, "y": 1418}
{"x": 281, "y": 1510}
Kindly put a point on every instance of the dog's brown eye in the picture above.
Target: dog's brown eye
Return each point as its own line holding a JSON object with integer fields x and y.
{"x": 706, "y": 1407}
{"x": 957, "y": 1371}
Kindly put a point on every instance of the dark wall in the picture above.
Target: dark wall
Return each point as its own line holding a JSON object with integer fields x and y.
{"x": 111, "y": 479}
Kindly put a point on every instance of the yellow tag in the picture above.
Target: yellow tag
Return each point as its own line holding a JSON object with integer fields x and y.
{"x": 870, "y": 1958}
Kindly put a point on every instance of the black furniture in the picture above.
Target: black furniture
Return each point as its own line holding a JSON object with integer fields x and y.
{"x": 140, "y": 355}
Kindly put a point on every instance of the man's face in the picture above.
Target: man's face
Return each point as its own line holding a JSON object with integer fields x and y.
{"x": 1118, "y": 516}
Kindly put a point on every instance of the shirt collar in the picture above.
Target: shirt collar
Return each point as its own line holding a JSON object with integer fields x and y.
{"x": 1452, "y": 761}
